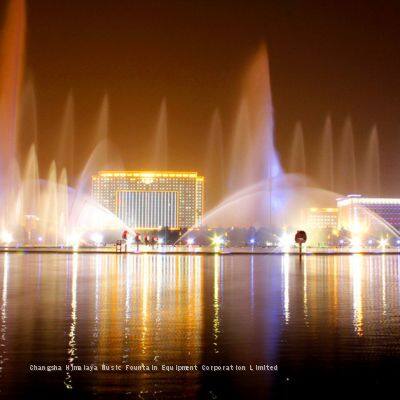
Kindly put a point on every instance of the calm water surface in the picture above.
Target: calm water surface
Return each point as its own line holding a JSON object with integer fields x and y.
{"x": 331, "y": 324}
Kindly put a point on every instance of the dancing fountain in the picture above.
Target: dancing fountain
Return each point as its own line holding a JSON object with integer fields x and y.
{"x": 260, "y": 193}
{"x": 35, "y": 211}
{"x": 250, "y": 185}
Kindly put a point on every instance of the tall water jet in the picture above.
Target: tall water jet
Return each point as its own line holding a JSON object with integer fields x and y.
{"x": 264, "y": 157}
{"x": 30, "y": 184}
{"x": 32, "y": 211}
{"x": 346, "y": 178}
{"x": 326, "y": 156}
{"x": 49, "y": 208}
{"x": 257, "y": 90}
{"x": 65, "y": 153}
{"x": 27, "y": 120}
{"x": 214, "y": 162}
{"x": 160, "y": 143}
{"x": 11, "y": 74}
{"x": 102, "y": 124}
{"x": 372, "y": 179}
{"x": 241, "y": 170}
{"x": 297, "y": 160}
{"x": 12, "y": 207}
{"x": 30, "y": 197}
{"x": 101, "y": 130}
{"x": 99, "y": 156}
{"x": 258, "y": 188}
{"x": 62, "y": 207}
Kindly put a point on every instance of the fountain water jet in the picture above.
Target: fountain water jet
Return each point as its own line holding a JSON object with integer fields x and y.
{"x": 11, "y": 75}
{"x": 30, "y": 184}
{"x": 372, "y": 165}
{"x": 160, "y": 143}
{"x": 33, "y": 211}
{"x": 256, "y": 194}
{"x": 326, "y": 156}
{"x": 65, "y": 153}
{"x": 346, "y": 169}
{"x": 214, "y": 161}
{"x": 297, "y": 160}
{"x": 100, "y": 130}
{"x": 240, "y": 163}
{"x": 27, "y": 120}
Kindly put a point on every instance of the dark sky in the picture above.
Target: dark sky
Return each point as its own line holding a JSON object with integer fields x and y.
{"x": 339, "y": 57}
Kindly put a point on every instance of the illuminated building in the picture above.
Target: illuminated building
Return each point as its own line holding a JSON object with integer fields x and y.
{"x": 363, "y": 214}
{"x": 150, "y": 200}
{"x": 322, "y": 218}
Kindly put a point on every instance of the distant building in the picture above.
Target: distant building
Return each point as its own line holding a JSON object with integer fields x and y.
{"x": 363, "y": 214}
{"x": 322, "y": 218}
{"x": 150, "y": 200}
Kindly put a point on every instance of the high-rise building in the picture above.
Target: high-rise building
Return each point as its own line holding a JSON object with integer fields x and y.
{"x": 150, "y": 200}
{"x": 363, "y": 214}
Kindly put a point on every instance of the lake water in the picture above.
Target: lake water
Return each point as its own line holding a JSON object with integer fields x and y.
{"x": 329, "y": 324}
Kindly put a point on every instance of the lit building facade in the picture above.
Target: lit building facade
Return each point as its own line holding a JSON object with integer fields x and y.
{"x": 322, "y": 218}
{"x": 150, "y": 200}
{"x": 362, "y": 214}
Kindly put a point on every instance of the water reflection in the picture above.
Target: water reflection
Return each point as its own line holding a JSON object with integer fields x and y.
{"x": 3, "y": 314}
{"x": 356, "y": 279}
{"x": 286, "y": 286}
{"x": 305, "y": 288}
{"x": 384, "y": 304}
{"x": 216, "y": 324}
{"x": 72, "y": 356}
{"x": 163, "y": 309}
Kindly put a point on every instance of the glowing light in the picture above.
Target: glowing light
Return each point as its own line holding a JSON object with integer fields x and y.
{"x": 74, "y": 240}
{"x": 357, "y": 228}
{"x": 285, "y": 241}
{"x": 160, "y": 241}
{"x": 97, "y": 239}
{"x": 190, "y": 242}
{"x": 40, "y": 239}
{"x": 6, "y": 237}
{"x": 398, "y": 241}
{"x": 252, "y": 241}
{"x": 355, "y": 242}
{"x": 217, "y": 241}
{"x": 383, "y": 243}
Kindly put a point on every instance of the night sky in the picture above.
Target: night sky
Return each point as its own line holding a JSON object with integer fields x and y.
{"x": 341, "y": 58}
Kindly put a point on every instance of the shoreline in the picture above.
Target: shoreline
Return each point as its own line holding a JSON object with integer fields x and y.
{"x": 198, "y": 252}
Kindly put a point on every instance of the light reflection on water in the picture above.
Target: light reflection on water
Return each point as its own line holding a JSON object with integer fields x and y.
{"x": 164, "y": 309}
{"x": 3, "y": 313}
